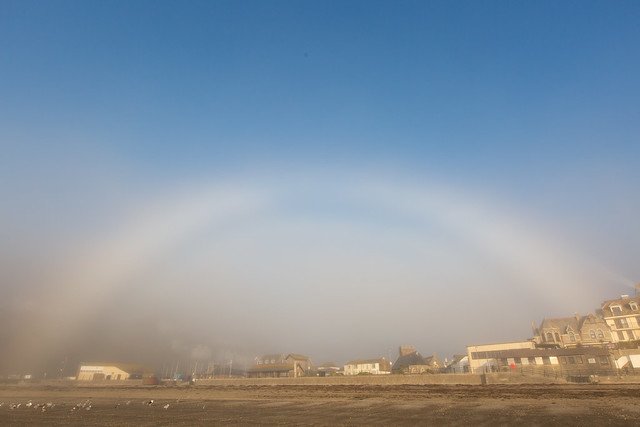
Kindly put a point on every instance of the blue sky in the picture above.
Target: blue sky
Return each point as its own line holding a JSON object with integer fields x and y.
{"x": 526, "y": 111}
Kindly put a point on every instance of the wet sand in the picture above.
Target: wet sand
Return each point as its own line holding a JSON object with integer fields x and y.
{"x": 587, "y": 404}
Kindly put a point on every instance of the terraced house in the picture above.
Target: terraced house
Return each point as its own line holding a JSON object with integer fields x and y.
{"x": 623, "y": 317}
{"x": 574, "y": 331}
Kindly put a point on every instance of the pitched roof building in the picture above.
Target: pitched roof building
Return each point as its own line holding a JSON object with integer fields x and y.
{"x": 623, "y": 317}
{"x": 280, "y": 365}
{"x": 573, "y": 331}
{"x": 412, "y": 362}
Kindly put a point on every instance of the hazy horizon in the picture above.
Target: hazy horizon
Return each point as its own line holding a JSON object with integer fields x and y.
{"x": 224, "y": 180}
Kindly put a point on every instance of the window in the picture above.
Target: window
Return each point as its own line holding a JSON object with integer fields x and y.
{"x": 579, "y": 360}
{"x": 557, "y": 336}
{"x": 571, "y": 360}
{"x": 600, "y": 334}
{"x": 621, "y": 336}
{"x": 546, "y": 360}
{"x": 633, "y": 306}
{"x": 532, "y": 360}
{"x": 592, "y": 334}
{"x": 572, "y": 337}
{"x": 616, "y": 310}
{"x": 604, "y": 360}
{"x": 549, "y": 336}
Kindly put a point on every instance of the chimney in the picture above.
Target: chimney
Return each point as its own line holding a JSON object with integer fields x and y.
{"x": 405, "y": 350}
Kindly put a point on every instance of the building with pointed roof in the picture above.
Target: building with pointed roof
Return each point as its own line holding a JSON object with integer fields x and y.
{"x": 573, "y": 331}
{"x": 623, "y": 317}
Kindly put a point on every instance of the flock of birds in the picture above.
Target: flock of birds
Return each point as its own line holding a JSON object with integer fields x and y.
{"x": 85, "y": 405}
{"x": 41, "y": 406}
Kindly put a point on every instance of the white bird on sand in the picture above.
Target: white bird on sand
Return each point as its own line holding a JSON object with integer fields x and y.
{"x": 166, "y": 406}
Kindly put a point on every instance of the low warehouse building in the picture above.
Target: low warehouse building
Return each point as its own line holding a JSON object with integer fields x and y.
{"x": 110, "y": 371}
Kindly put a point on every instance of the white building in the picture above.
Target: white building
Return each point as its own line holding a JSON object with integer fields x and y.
{"x": 483, "y": 357}
{"x": 368, "y": 366}
{"x": 623, "y": 317}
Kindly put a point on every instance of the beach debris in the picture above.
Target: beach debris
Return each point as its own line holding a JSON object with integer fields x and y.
{"x": 128, "y": 402}
{"x": 166, "y": 406}
{"x": 149, "y": 402}
{"x": 29, "y": 404}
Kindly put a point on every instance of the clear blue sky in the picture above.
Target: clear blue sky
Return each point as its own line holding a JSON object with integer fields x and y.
{"x": 463, "y": 83}
{"x": 529, "y": 111}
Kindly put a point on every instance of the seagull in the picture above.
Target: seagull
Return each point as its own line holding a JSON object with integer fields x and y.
{"x": 166, "y": 406}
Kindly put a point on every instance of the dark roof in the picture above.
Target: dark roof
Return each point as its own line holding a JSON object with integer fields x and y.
{"x": 624, "y": 304}
{"x": 403, "y": 362}
{"x": 562, "y": 323}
